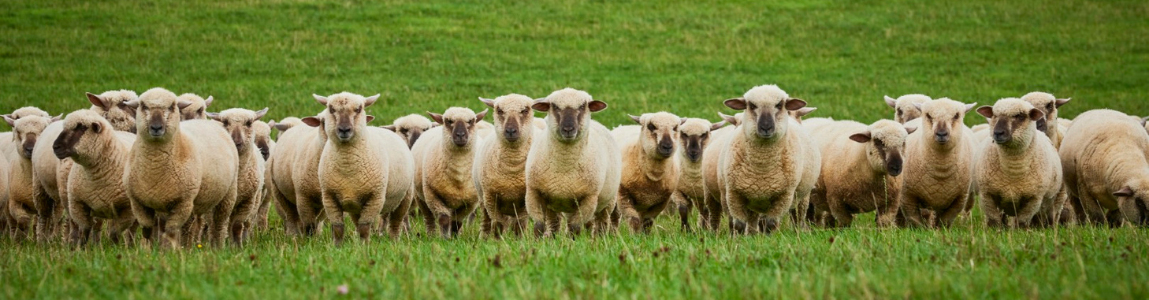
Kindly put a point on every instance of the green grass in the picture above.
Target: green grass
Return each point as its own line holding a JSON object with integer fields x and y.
{"x": 638, "y": 56}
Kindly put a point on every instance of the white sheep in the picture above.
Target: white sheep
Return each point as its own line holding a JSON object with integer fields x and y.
{"x": 906, "y": 107}
{"x": 95, "y": 182}
{"x": 500, "y": 164}
{"x": 411, "y": 127}
{"x": 574, "y": 167}
{"x": 712, "y": 197}
{"x": 1104, "y": 159}
{"x": 1019, "y": 173}
{"x": 769, "y": 167}
{"x": 694, "y": 136}
{"x": 1048, "y": 105}
{"x": 262, "y": 132}
{"x": 938, "y": 174}
{"x": 444, "y": 161}
{"x": 862, "y": 174}
{"x": 177, "y": 170}
{"x": 239, "y": 124}
{"x": 196, "y": 108}
{"x": 21, "y": 201}
{"x": 649, "y": 170}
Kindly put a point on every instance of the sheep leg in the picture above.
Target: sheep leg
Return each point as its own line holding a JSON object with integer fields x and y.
{"x": 366, "y": 218}
{"x": 911, "y": 212}
{"x": 309, "y": 214}
{"x": 652, "y": 213}
{"x": 1093, "y": 211}
{"x": 146, "y": 217}
{"x": 288, "y": 212}
{"x": 334, "y": 212}
{"x": 241, "y": 217}
{"x": 947, "y": 217}
{"x": 398, "y": 217}
{"x": 551, "y": 221}
{"x": 119, "y": 226}
{"x": 801, "y": 204}
{"x": 713, "y": 211}
{"x": 45, "y": 213}
{"x": 683, "y": 204}
{"x": 264, "y": 207}
{"x": 842, "y": 217}
{"x": 82, "y": 215}
{"x": 174, "y": 223}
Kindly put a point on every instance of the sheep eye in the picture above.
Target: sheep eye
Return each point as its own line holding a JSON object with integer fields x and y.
{"x": 675, "y": 128}
{"x": 878, "y": 143}
{"x": 500, "y": 111}
{"x": 403, "y": 131}
{"x": 248, "y": 124}
{"x": 526, "y": 111}
{"x": 651, "y": 127}
{"x": 779, "y": 106}
{"x": 226, "y": 123}
{"x": 704, "y": 135}
{"x": 899, "y": 111}
{"x": 956, "y": 116}
{"x": 752, "y": 106}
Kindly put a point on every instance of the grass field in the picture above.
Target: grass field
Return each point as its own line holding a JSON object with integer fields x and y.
{"x": 638, "y": 56}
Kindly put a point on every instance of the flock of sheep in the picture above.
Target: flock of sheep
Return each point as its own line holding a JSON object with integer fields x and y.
{"x": 161, "y": 163}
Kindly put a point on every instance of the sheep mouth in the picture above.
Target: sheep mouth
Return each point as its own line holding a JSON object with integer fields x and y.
{"x": 693, "y": 156}
{"x": 344, "y": 136}
{"x": 460, "y": 141}
{"x": 156, "y": 132}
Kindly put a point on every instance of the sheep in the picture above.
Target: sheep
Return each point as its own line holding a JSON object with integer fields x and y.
{"x": 5, "y": 219}
{"x": 8, "y": 144}
{"x": 939, "y": 172}
{"x": 294, "y": 167}
{"x": 1019, "y": 174}
{"x": 769, "y": 167}
{"x": 574, "y": 168}
{"x": 862, "y": 175}
{"x": 712, "y": 198}
{"x": 262, "y": 133}
{"x": 21, "y": 203}
{"x": 1048, "y": 105}
{"x": 95, "y": 181}
{"x": 355, "y": 168}
{"x": 694, "y": 137}
{"x": 1105, "y": 159}
{"x": 112, "y": 105}
{"x": 500, "y": 162}
{"x": 410, "y": 127}
{"x": 444, "y": 161}
{"x": 649, "y": 170}
{"x": 797, "y": 115}
{"x": 240, "y": 124}
{"x": 905, "y": 107}
{"x": 176, "y": 170}
{"x": 197, "y": 109}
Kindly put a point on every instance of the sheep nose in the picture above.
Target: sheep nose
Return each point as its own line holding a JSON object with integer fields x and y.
{"x": 512, "y": 130}
{"x": 156, "y": 127}
{"x": 344, "y": 130}
{"x": 568, "y": 128}
{"x": 942, "y": 136}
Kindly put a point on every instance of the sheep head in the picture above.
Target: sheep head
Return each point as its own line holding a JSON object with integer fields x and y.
{"x": 659, "y": 133}
{"x": 568, "y": 112}
{"x": 239, "y": 123}
{"x": 157, "y": 114}
{"x": 196, "y": 108}
{"x": 905, "y": 108}
{"x": 346, "y": 114}
{"x": 512, "y": 114}
{"x": 81, "y": 131}
{"x": 943, "y": 119}
{"x": 1014, "y": 121}
{"x": 113, "y": 106}
{"x": 1048, "y": 105}
{"x": 262, "y": 133}
{"x": 886, "y": 142}
{"x": 410, "y": 127}
{"x": 25, "y": 131}
{"x": 694, "y": 135}
{"x": 1133, "y": 201}
{"x": 766, "y": 109}
{"x": 458, "y": 124}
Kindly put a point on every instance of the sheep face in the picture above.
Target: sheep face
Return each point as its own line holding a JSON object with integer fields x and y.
{"x": 766, "y": 109}
{"x": 459, "y": 124}
{"x": 943, "y": 119}
{"x": 80, "y": 129}
{"x": 886, "y": 142}
{"x": 568, "y": 112}
{"x": 1048, "y": 105}
{"x": 659, "y": 133}
{"x": 411, "y": 127}
{"x": 196, "y": 108}
{"x": 26, "y": 130}
{"x": 512, "y": 114}
{"x": 113, "y": 106}
{"x": 239, "y": 124}
{"x": 904, "y": 107}
{"x": 157, "y": 114}
{"x": 346, "y": 114}
{"x": 1133, "y": 201}
{"x": 694, "y": 135}
{"x": 1014, "y": 121}
{"x": 25, "y": 112}
{"x": 262, "y": 133}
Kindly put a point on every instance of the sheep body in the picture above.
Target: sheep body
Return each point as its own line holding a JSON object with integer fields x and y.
{"x": 939, "y": 171}
{"x": 1105, "y": 159}
{"x": 240, "y": 124}
{"x": 500, "y": 164}
{"x": 649, "y": 170}
{"x": 445, "y": 159}
{"x": 1019, "y": 173}
{"x": 695, "y": 135}
{"x": 22, "y": 206}
{"x": 862, "y": 175}
{"x": 95, "y": 185}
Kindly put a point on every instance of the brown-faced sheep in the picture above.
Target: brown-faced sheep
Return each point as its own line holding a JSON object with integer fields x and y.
{"x": 905, "y": 107}
{"x": 770, "y": 165}
{"x": 693, "y": 136}
{"x": 294, "y": 167}
{"x": 1018, "y": 174}
{"x": 1048, "y": 105}
{"x": 177, "y": 170}
{"x": 649, "y": 170}
{"x": 197, "y": 107}
{"x": 96, "y": 180}
{"x": 239, "y": 124}
{"x": 574, "y": 167}
{"x": 500, "y": 164}
{"x": 262, "y": 132}
{"x": 938, "y": 174}
{"x": 1105, "y": 159}
{"x": 712, "y": 198}
{"x": 862, "y": 174}
{"x": 411, "y": 127}
{"x": 21, "y": 202}
{"x": 444, "y": 161}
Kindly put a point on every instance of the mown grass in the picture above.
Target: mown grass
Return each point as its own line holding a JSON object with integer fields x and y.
{"x": 639, "y": 56}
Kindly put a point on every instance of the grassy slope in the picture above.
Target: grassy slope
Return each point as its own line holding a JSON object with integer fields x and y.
{"x": 638, "y": 56}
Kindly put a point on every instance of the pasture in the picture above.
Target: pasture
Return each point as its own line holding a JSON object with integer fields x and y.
{"x": 683, "y": 56}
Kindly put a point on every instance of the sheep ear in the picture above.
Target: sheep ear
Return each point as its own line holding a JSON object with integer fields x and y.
{"x": 95, "y": 100}
{"x": 636, "y": 119}
{"x": 795, "y": 104}
{"x": 10, "y": 120}
{"x": 735, "y": 103}
{"x": 370, "y": 100}
{"x": 1060, "y": 102}
{"x": 683, "y": 121}
{"x": 804, "y": 111}
{"x": 388, "y": 127}
{"x": 970, "y": 106}
{"x": 910, "y": 128}
{"x": 985, "y": 111}
{"x": 1124, "y": 192}
{"x": 488, "y": 102}
{"x": 207, "y": 102}
{"x": 321, "y": 99}
{"x": 483, "y": 114}
{"x": 728, "y": 118}
{"x": 1143, "y": 120}
{"x": 213, "y": 116}
{"x": 260, "y": 113}
{"x": 597, "y": 106}
{"x": 863, "y": 137}
{"x": 541, "y": 104}
{"x": 281, "y": 127}
{"x": 184, "y": 104}
{"x": 717, "y": 125}
{"x": 893, "y": 103}
{"x": 133, "y": 103}
{"x": 437, "y": 117}
{"x": 436, "y": 124}
{"x": 1035, "y": 114}
{"x": 57, "y": 118}
{"x": 312, "y": 121}
{"x": 369, "y": 118}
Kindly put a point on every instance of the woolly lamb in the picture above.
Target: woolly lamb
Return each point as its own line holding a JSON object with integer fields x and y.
{"x": 95, "y": 182}
{"x": 500, "y": 162}
{"x": 649, "y": 170}
{"x": 410, "y": 127}
{"x": 694, "y": 135}
{"x": 294, "y": 168}
{"x": 938, "y": 175}
{"x": 21, "y": 204}
{"x": 1019, "y": 174}
{"x": 862, "y": 175}
{"x": 177, "y": 170}
{"x": 574, "y": 167}
{"x": 263, "y": 141}
{"x": 239, "y": 124}
{"x": 906, "y": 107}
{"x": 444, "y": 164}
{"x": 1048, "y": 105}
{"x": 197, "y": 108}
{"x": 9, "y": 145}
{"x": 1105, "y": 158}
{"x": 712, "y": 198}
{"x": 768, "y": 167}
